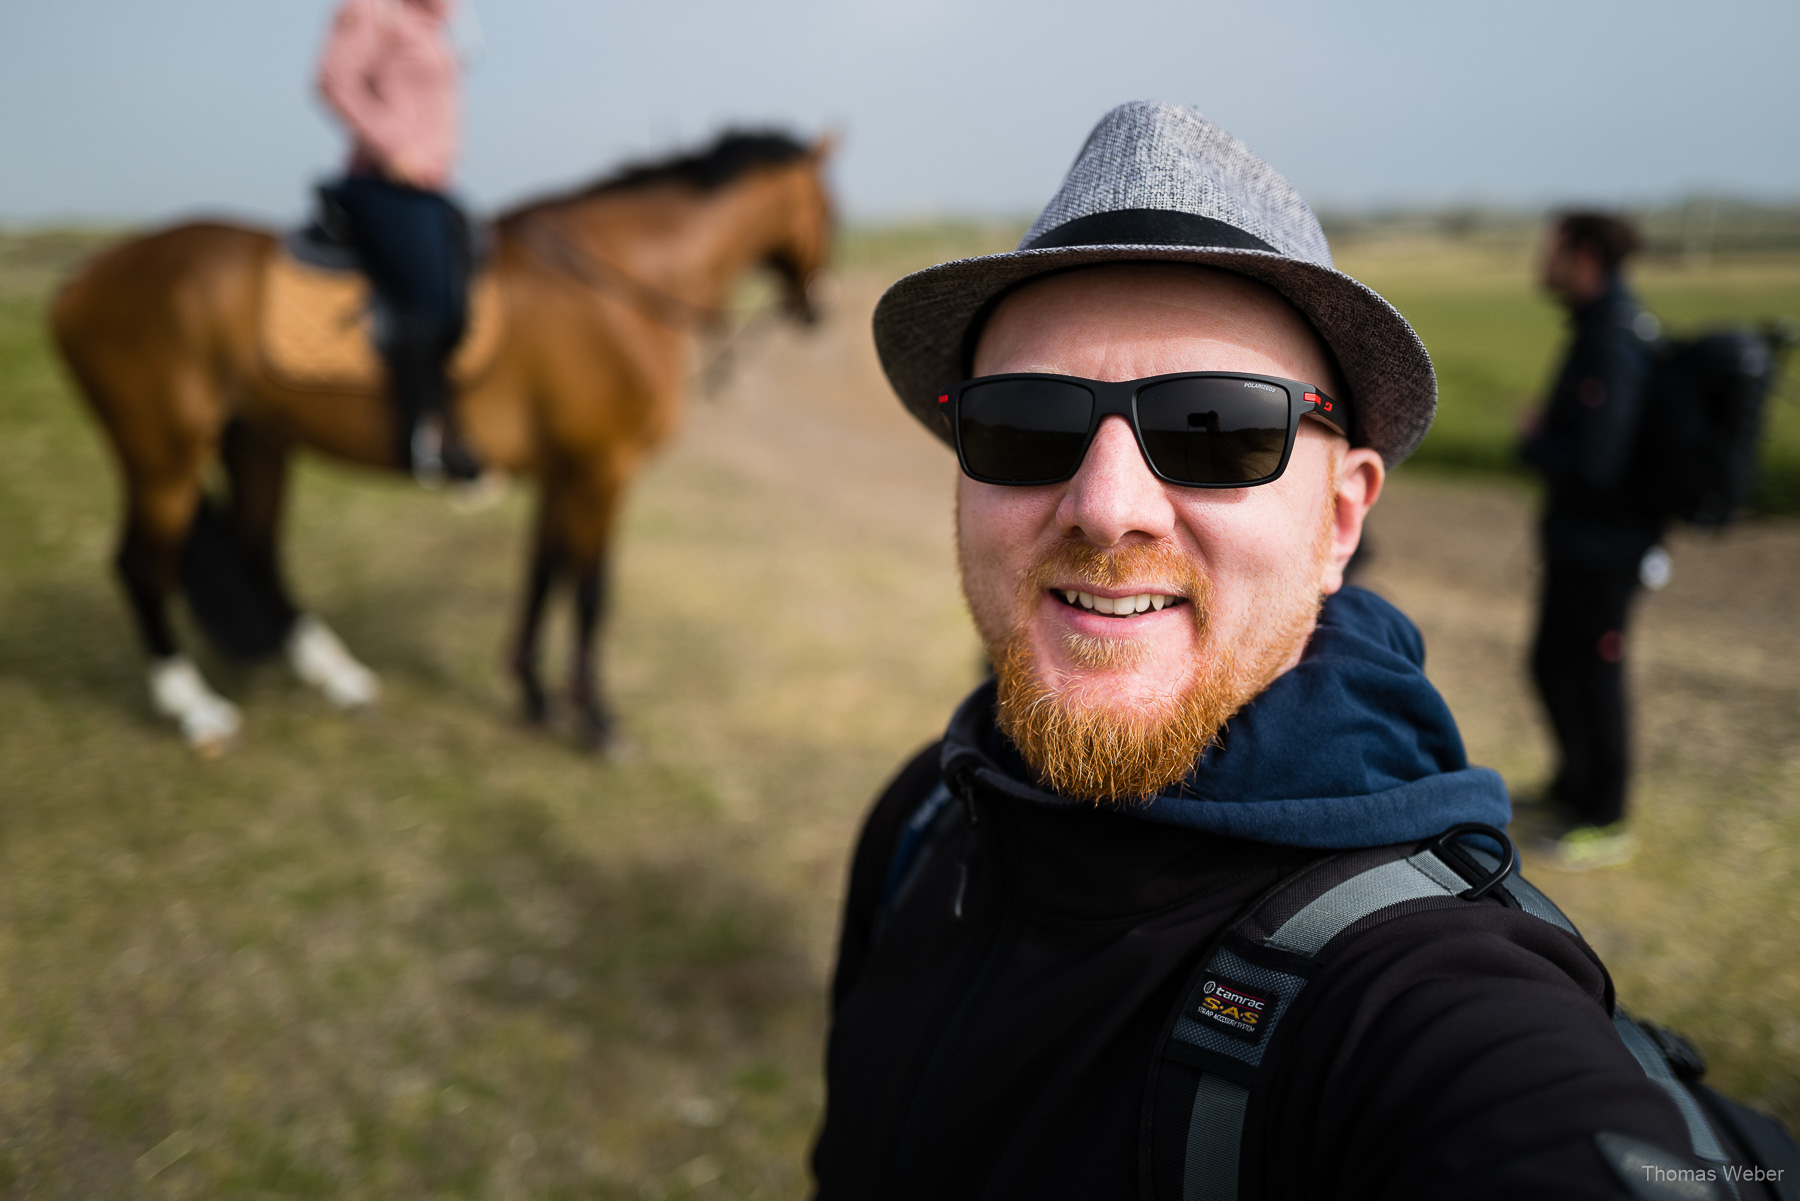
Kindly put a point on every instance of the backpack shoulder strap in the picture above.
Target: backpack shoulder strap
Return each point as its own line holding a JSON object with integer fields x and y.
{"x": 1655, "y": 1061}
{"x": 1211, "y": 1056}
{"x": 911, "y": 850}
{"x": 1666, "y": 1057}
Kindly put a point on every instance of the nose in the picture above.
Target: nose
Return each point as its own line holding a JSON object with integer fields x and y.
{"x": 1114, "y": 495}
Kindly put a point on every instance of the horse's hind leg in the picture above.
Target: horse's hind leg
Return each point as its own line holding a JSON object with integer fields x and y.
{"x": 147, "y": 573}
{"x": 538, "y": 581}
{"x": 598, "y": 730}
{"x": 149, "y": 558}
{"x": 256, "y": 463}
{"x": 573, "y": 524}
{"x": 588, "y": 512}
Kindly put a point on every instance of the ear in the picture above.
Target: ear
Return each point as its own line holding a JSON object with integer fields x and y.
{"x": 826, "y": 145}
{"x": 1360, "y": 475}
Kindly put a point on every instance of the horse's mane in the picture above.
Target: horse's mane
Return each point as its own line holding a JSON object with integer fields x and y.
{"x": 734, "y": 153}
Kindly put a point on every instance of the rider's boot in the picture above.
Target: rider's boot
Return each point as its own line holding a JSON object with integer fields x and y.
{"x": 429, "y": 446}
{"x": 460, "y": 463}
{"x": 438, "y": 455}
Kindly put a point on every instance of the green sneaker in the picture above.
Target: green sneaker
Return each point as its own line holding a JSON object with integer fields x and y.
{"x": 1585, "y": 847}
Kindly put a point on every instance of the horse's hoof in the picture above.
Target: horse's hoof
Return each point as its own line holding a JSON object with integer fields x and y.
{"x": 207, "y": 749}
{"x": 320, "y": 658}
{"x": 605, "y": 739}
{"x": 211, "y": 729}
{"x": 209, "y": 723}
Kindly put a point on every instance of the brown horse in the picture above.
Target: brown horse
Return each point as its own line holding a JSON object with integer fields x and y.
{"x": 602, "y": 290}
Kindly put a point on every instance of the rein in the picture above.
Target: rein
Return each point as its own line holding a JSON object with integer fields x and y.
{"x": 716, "y": 373}
{"x": 601, "y": 276}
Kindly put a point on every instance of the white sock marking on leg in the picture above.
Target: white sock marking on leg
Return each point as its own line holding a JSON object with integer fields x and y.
{"x": 208, "y": 721}
{"x": 320, "y": 658}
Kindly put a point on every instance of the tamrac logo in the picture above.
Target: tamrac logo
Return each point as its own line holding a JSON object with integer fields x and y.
{"x": 1239, "y": 1011}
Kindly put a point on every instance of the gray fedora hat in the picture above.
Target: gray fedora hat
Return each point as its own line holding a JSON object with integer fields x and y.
{"x": 1160, "y": 183}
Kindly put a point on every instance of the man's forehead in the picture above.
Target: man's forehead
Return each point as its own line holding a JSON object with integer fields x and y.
{"x": 1127, "y": 321}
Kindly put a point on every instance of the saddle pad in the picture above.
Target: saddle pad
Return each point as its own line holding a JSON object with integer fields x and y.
{"x": 315, "y": 328}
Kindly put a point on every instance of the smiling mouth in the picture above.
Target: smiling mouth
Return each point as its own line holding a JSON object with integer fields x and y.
{"x": 1118, "y": 606}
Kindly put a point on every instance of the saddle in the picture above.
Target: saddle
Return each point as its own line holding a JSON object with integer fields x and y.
{"x": 319, "y": 319}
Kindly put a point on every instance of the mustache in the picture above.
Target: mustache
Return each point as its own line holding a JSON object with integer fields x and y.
{"x": 1155, "y": 566}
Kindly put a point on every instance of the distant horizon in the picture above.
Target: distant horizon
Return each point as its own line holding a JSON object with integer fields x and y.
{"x": 1734, "y": 205}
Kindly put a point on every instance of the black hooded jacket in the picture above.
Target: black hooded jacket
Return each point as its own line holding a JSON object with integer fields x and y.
{"x": 993, "y": 1028}
{"x": 1583, "y": 448}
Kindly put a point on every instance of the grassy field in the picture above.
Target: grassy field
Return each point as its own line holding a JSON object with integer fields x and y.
{"x": 429, "y": 953}
{"x": 1495, "y": 339}
{"x": 1493, "y": 336}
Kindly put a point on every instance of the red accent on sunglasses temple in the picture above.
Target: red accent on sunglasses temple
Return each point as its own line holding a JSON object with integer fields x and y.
{"x": 1320, "y": 401}
{"x": 944, "y": 399}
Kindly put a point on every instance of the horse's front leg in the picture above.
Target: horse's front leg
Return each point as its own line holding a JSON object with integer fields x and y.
{"x": 538, "y": 579}
{"x": 593, "y": 715}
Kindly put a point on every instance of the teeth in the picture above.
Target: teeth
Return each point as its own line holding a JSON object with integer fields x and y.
{"x": 1121, "y": 606}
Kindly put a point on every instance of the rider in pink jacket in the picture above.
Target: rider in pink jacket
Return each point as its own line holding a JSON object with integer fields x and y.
{"x": 390, "y": 73}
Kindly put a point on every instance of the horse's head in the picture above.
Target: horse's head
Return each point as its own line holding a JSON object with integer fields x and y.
{"x": 803, "y": 233}
{"x": 751, "y": 198}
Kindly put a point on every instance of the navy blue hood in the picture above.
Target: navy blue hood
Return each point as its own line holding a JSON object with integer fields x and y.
{"x": 1351, "y": 748}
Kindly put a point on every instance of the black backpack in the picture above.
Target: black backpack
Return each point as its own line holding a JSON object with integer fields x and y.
{"x": 1695, "y": 458}
{"x": 1211, "y": 1056}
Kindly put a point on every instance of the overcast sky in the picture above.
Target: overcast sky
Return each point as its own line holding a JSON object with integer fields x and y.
{"x": 132, "y": 109}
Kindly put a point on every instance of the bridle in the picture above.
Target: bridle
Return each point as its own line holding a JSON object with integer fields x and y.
{"x": 551, "y": 245}
{"x": 556, "y": 249}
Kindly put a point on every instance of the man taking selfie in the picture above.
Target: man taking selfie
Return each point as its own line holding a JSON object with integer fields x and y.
{"x": 1198, "y": 896}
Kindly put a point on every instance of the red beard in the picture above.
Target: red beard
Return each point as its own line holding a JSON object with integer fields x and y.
{"x": 1098, "y": 750}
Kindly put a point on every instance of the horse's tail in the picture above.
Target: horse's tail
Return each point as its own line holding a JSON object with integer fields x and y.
{"x": 239, "y": 611}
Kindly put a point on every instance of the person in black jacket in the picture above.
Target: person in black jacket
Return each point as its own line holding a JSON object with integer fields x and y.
{"x": 1172, "y": 414}
{"x": 1594, "y": 537}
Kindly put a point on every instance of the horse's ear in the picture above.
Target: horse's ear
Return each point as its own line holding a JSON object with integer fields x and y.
{"x": 826, "y": 145}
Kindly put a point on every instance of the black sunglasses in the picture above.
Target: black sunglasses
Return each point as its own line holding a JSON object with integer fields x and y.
{"x": 1198, "y": 429}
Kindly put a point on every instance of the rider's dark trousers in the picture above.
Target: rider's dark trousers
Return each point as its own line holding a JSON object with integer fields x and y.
{"x": 413, "y": 246}
{"x": 1578, "y": 663}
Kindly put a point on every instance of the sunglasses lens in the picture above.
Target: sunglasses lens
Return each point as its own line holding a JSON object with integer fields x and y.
{"x": 1214, "y": 431}
{"x": 1024, "y": 431}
